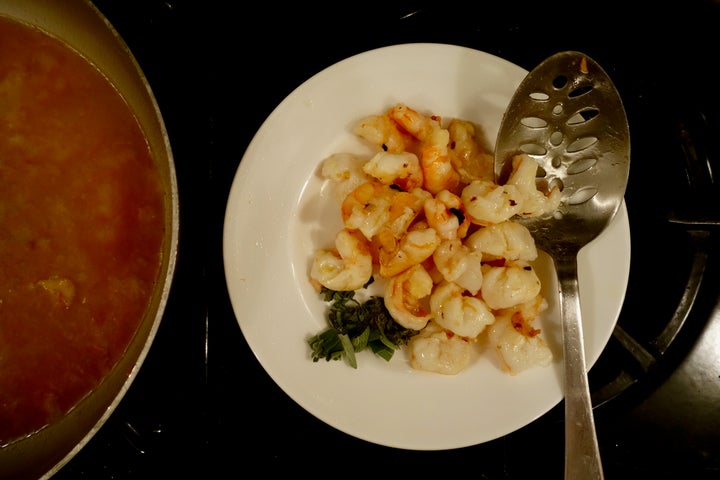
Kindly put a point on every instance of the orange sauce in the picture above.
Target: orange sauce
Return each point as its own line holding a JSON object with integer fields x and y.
{"x": 81, "y": 228}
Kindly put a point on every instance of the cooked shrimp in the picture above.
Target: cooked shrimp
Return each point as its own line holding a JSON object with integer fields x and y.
{"x": 347, "y": 267}
{"x": 525, "y": 313}
{"x": 424, "y": 213}
{"x": 383, "y": 132}
{"x": 401, "y": 169}
{"x": 367, "y": 208}
{"x": 459, "y": 264}
{"x": 438, "y": 171}
{"x": 415, "y": 123}
{"x": 445, "y": 214}
{"x": 509, "y": 285}
{"x": 346, "y": 172}
{"x": 405, "y": 208}
{"x": 462, "y": 314}
{"x": 406, "y": 297}
{"x": 518, "y": 344}
{"x": 396, "y": 255}
{"x": 534, "y": 201}
{"x": 467, "y": 155}
{"x": 509, "y": 240}
{"x": 437, "y": 350}
{"x": 487, "y": 203}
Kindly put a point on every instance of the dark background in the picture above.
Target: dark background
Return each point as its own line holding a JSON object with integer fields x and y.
{"x": 202, "y": 401}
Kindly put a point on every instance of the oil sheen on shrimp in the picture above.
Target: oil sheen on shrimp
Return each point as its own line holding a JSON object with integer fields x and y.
{"x": 487, "y": 203}
{"x": 534, "y": 202}
{"x": 509, "y": 240}
{"x": 383, "y": 132}
{"x": 437, "y": 350}
{"x": 462, "y": 314}
{"x": 347, "y": 267}
{"x": 396, "y": 255}
{"x": 406, "y": 297}
{"x": 519, "y": 345}
{"x": 401, "y": 169}
{"x": 405, "y": 209}
{"x": 509, "y": 285}
{"x": 445, "y": 214}
{"x": 367, "y": 208}
{"x": 438, "y": 171}
{"x": 459, "y": 264}
{"x": 467, "y": 155}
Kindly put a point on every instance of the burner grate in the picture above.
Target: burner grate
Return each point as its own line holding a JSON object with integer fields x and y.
{"x": 670, "y": 256}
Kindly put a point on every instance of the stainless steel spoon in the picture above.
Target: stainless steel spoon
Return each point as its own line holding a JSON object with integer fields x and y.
{"x": 568, "y": 116}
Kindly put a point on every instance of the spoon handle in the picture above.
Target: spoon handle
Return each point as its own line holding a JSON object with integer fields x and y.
{"x": 582, "y": 454}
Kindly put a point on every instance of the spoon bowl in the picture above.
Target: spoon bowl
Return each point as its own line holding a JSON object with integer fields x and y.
{"x": 568, "y": 116}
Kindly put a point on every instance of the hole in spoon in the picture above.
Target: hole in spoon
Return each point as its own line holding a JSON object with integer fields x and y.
{"x": 581, "y": 144}
{"x": 556, "y": 183}
{"x": 580, "y": 91}
{"x": 582, "y": 195}
{"x": 533, "y": 149}
{"x": 556, "y": 138}
{"x": 539, "y": 96}
{"x": 559, "y": 82}
{"x": 583, "y": 116}
{"x": 533, "y": 122}
{"x": 580, "y": 165}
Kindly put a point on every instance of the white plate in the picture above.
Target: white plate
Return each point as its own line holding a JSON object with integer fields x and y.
{"x": 277, "y": 215}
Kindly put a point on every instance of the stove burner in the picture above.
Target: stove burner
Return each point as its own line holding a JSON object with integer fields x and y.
{"x": 637, "y": 349}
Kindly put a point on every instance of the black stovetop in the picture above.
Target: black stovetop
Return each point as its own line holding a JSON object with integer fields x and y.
{"x": 202, "y": 400}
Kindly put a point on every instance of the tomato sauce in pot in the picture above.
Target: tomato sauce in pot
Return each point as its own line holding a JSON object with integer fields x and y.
{"x": 81, "y": 228}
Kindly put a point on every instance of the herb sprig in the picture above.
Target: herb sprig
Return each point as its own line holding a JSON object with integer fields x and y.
{"x": 356, "y": 326}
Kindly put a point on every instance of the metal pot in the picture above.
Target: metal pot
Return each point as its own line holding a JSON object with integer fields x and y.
{"x": 80, "y": 24}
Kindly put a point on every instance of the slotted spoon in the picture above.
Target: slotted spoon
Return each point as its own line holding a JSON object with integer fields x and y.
{"x": 568, "y": 116}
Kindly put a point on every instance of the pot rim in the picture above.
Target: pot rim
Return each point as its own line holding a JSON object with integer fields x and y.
{"x": 81, "y": 25}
